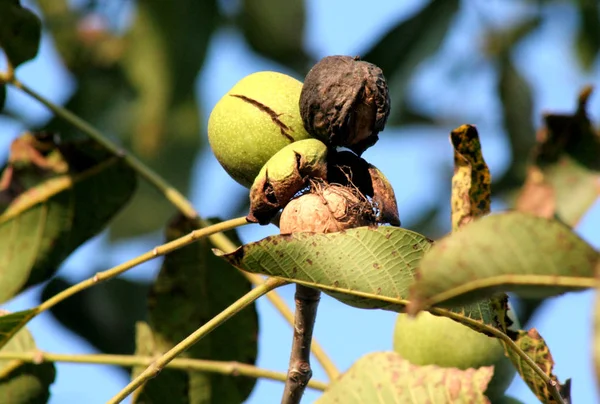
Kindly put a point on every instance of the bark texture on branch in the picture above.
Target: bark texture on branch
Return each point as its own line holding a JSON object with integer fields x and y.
{"x": 300, "y": 372}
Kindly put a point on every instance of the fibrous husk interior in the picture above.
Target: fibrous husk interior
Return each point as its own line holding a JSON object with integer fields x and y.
{"x": 327, "y": 208}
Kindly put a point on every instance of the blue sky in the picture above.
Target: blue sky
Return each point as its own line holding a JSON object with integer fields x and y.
{"x": 412, "y": 158}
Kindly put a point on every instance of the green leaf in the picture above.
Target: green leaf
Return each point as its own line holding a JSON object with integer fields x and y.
{"x": 532, "y": 343}
{"x": 587, "y": 42}
{"x": 517, "y": 111}
{"x": 275, "y": 29}
{"x": 384, "y": 377}
{"x": 192, "y": 287}
{"x": 565, "y": 172}
{"x": 518, "y": 252}
{"x": 24, "y": 383}
{"x": 20, "y": 32}
{"x": 471, "y": 191}
{"x": 54, "y": 196}
{"x": 373, "y": 261}
{"x": 171, "y": 386}
{"x": 104, "y": 315}
{"x": 11, "y": 323}
{"x": 407, "y": 44}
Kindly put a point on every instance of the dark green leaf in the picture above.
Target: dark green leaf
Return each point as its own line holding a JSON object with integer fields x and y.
{"x": 11, "y": 323}
{"x": 54, "y": 196}
{"x": 384, "y": 377}
{"x": 529, "y": 255}
{"x": 104, "y": 315}
{"x": 275, "y": 29}
{"x": 172, "y": 386}
{"x": 20, "y": 32}
{"x": 587, "y": 41}
{"x": 24, "y": 383}
{"x": 193, "y": 286}
{"x": 517, "y": 114}
{"x": 532, "y": 343}
{"x": 407, "y": 44}
{"x": 565, "y": 172}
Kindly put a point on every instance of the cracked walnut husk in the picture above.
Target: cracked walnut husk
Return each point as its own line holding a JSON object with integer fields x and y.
{"x": 346, "y": 101}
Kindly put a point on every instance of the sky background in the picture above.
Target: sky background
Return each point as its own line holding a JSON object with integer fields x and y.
{"x": 411, "y": 158}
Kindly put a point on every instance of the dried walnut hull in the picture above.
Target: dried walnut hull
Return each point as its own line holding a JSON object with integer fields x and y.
{"x": 345, "y": 100}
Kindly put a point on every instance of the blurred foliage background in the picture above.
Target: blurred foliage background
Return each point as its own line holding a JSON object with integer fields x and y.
{"x": 135, "y": 67}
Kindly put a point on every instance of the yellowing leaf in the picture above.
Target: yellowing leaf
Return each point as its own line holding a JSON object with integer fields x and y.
{"x": 471, "y": 183}
{"x": 532, "y": 343}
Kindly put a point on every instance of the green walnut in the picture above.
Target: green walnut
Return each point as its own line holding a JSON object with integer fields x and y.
{"x": 434, "y": 340}
{"x": 258, "y": 117}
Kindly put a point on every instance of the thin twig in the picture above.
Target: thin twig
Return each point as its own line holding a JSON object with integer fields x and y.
{"x": 219, "y": 240}
{"x": 300, "y": 372}
{"x": 225, "y": 245}
{"x": 154, "y": 253}
{"x": 200, "y": 365}
{"x": 155, "y": 368}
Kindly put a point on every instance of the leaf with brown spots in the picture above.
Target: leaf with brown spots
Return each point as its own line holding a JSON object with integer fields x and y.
{"x": 364, "y": 267}
{"x": 515, "y": 251}
{"x": 564, "y": 178}
{"x": 384, "y": 377}
{"x": 532, "y": 343}
{"x": 377, "y": 261}
{"x": 471, "y": 194}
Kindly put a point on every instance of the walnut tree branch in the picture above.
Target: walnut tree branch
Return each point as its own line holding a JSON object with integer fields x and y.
{"x": 300, "y": 372}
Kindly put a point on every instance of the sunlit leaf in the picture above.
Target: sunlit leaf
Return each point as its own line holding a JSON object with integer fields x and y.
{"x": 20, "y": 382}
{"x": 529, "y": 255}
{"x": 471, "y": 193}
{"x": 54, "y": 196}
{"x": 564, "y": 178}
{"x": 20, "y": 32}
{"x": 406, "y": 45}
{"x": 275, "y": 29}
{"x": 532, "y": 343}
{"x": 384, "y": 377}
{"x": 192, "y": 287}
{"x": 375, "y": 261}
{"x": 104, "y": 315}
{"x": 11, "y": 323}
